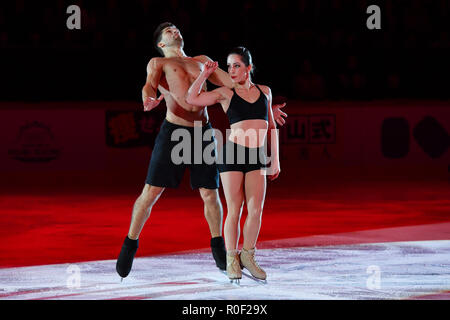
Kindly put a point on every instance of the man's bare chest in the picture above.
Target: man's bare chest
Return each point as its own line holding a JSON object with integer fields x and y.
{"x": 182, "y": 73}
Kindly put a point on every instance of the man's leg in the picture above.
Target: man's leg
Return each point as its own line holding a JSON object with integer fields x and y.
{"x": 213, "y": 210}
{"x": 142, "y": 209}
{"x": 205, "y": 177}
{"x": 214, "y": 216}
{"x": 141, "y": 212}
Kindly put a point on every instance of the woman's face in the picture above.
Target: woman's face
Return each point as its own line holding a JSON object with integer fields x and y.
{"x": 236, "y": 68}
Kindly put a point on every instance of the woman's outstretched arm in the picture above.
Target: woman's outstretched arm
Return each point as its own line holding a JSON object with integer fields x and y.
{"x": 195, "y": 96}
{"x": 273, "y": 135}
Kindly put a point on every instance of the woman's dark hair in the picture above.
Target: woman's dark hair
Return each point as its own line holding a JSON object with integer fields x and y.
{"x": 245, "y": 55}
{"x": 157, "y": 35}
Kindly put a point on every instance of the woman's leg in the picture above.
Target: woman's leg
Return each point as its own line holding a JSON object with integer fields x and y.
{"x": 233, "y": 188}
{"x": 255, "y": 192}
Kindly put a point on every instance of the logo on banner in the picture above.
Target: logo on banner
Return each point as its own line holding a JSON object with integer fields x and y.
{"x": 128, "y": 129}
{"x": 35, "y": 143}
{"x": 428, "y": 133}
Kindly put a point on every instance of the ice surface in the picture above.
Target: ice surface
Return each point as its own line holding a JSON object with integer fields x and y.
{"x": 391, "y": 270}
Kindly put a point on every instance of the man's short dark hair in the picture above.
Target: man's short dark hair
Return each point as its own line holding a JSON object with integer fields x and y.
{"x": 158, "y": 34}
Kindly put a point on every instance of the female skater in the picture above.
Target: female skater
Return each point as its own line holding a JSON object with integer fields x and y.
{"x": 249, "y": 110}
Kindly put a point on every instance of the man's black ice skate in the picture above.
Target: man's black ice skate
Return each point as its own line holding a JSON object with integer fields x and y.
{"x": 126, "y": 257}
{"x": 219, "y": 252}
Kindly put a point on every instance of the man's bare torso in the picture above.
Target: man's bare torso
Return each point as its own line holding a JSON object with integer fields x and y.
{"x": 178, "y": 73}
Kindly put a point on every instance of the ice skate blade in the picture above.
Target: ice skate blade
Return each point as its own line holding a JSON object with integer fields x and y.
{"x": 261, "y": 281}
{"x": 235, "y": 281}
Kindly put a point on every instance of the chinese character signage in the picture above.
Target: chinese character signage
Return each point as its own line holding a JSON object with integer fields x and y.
{"x": 128, "y": 129}
{"x": 310, "y": 129}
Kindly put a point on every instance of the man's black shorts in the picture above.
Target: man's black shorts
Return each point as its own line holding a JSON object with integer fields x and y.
{"x": 164, "y": 172}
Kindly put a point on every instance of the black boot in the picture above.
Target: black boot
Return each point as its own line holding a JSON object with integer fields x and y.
{"x": 126, "y": 256}
{"x": 219, "y": 252}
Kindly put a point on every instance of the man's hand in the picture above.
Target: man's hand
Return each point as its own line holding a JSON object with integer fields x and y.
{"x": 209, "y": 67}
{"x": 278, "y": 114}
{"x": 151, "y": 103}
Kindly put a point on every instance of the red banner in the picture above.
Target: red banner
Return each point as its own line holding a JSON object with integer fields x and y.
{"x": 318, "y": 140}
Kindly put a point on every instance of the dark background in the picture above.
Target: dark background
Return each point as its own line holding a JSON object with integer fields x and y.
{"x": 305, "y": 49}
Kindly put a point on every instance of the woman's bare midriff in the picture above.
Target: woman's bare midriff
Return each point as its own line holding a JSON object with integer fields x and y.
{"x": 249, "y": 133}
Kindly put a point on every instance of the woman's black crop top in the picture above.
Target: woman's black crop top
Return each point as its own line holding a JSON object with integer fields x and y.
{"x": 240, "y": 109}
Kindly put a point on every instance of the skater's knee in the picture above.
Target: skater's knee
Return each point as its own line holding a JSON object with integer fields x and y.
{"x": 235, "y": 205}
{"x": 254, "y": 213}
{"x": 210, "y": 196}
{"x": 150, "y": 194}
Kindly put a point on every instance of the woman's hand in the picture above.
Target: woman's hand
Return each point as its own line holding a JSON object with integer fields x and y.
{"x": 209, "y": 67}
{"x": 275, "y": 172}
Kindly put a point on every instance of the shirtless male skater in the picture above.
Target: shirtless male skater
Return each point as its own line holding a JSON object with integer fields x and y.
{"x": 172, "y": 75}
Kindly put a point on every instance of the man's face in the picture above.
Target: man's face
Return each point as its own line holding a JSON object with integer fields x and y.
{"x": 171, "y": 37}
{"x": 237, "y": 69}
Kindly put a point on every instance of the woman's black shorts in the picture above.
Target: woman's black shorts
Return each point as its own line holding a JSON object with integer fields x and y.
{"x": 236, "y": 157}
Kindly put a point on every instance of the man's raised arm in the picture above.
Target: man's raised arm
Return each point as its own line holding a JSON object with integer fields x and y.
{"x": 154, "y": 72}
{"x": 219, "y": 77}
